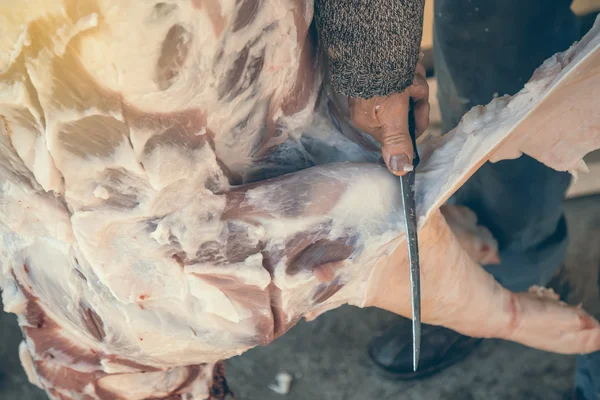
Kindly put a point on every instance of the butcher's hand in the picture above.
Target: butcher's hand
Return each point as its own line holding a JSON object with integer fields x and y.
{"x": 386, "y": 119}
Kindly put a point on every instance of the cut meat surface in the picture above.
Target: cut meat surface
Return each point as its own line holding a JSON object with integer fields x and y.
{"x": 172, "y": 195}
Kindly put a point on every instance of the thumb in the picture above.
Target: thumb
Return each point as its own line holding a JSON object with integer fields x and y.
{"x": 397, "y": 148}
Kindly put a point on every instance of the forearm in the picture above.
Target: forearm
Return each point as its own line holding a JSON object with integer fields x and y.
{"x": 372, "y": 46}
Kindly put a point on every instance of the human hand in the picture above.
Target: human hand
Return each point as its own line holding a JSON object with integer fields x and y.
{"x": 386, "y": 119}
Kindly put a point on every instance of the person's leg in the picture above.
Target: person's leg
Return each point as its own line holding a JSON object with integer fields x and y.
{"x": 485, "y": 48}
{"x": 520, "y": 201}
{"x": 587, "y": 378}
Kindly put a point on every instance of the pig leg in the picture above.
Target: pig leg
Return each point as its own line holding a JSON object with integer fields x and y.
{"x": 460, "y": 295}
{"x": 324, "y": 266}
{"x": 476, "y": 239}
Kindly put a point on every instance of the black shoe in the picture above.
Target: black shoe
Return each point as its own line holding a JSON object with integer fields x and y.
{"x": 577, "y": 395}
{"x": 573, "y": 394}
{"x": 440, "y": 348}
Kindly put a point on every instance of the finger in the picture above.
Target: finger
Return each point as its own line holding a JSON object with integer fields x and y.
{"x": 397, "y": 147}
{"x": 419, "y": 93}
{"x": 420, "y": 71}
{"x": 396, "y": 144}
{"x": 363, "y": 115}
{"x": 421, "y": 112}
{"x": 419, "y": 90}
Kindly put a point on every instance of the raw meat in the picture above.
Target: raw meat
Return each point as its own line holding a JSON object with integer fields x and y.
{"x": 178, "y": 186}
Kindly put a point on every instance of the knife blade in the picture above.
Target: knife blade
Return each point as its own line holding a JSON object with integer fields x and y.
{"x": 407, "y": 184}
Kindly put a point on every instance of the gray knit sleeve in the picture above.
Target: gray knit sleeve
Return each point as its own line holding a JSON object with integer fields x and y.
{"x": 372, "y": 46}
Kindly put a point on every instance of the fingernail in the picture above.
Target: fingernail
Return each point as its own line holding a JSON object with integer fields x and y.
{"x": 399, "y": 163}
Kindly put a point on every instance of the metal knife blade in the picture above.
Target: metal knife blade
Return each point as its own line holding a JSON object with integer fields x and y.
{"x": 407, "y": 184}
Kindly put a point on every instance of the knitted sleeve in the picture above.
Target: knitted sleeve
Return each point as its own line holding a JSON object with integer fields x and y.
{"x": 372, "y": 46}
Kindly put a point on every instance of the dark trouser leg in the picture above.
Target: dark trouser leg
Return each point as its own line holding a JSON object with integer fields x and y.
{"x": 485, "y": 48}
{"x": 587, "y": 379}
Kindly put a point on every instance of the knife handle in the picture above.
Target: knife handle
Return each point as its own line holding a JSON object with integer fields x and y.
{"x": 412, "y": 132}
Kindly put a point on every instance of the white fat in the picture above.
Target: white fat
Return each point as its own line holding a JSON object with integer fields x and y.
{"x": 27, "y": 364}
{"x": 580, "y": 167}
{"x": 65, "y": 33}
{"x": 101, "y": 193}
{"x": 382, "y": 201}
{"x": 212, "y": 300}
{"x": 249, "y": 272}
{"x": 13, "y": 299}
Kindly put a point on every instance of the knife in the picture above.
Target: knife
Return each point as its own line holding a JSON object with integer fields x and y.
{"x": 407, "y": 184}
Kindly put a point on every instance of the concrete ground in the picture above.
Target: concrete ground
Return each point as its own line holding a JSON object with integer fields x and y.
{"x": 328, "y": 360}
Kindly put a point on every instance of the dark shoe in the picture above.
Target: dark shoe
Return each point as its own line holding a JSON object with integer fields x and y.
{"x": 440, "y": 348}
{"x": 576, "y": 394}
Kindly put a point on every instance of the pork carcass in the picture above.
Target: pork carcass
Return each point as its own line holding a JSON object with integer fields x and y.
{"x": 177, "y": 185}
